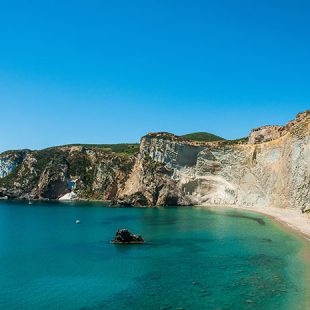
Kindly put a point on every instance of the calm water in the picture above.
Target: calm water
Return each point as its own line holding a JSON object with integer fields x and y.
{"x": 195, "y": 259}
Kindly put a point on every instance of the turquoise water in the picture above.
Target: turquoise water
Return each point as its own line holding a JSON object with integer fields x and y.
{"x": 195, "y": 258}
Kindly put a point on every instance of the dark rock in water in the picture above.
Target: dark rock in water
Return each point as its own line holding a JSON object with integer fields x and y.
{"x": 125, "y": 236}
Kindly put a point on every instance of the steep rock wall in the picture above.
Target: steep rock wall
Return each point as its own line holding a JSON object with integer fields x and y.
{"x": 272, "y": 170}
{"x": 48, "y": 174}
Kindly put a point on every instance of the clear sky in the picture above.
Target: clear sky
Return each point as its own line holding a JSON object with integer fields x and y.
{"x": 108, "y": 71}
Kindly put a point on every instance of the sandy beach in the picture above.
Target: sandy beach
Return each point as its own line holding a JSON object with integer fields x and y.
{"x": 292, "y": 218}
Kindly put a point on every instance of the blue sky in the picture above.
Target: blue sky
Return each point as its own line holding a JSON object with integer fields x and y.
{"x": 109, "y": 71}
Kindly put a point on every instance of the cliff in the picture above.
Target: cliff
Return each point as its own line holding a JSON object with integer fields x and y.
{"x": 89, "y": 172}
{"x": 270, "y": 168}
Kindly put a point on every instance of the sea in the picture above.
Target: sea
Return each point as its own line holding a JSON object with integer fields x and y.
{"x": 193, "y": 258}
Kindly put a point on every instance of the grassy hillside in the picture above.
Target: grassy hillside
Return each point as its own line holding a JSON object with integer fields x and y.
{"x": 202, "y": 136}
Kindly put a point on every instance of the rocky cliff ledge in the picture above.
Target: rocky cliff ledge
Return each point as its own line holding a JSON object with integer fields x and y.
{"x": 270, "y": 168}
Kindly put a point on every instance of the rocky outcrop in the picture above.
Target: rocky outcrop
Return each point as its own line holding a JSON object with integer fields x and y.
{"x": 269, "y": 133}
{"x": 124, "y": 236}
{"x": 150, "y": 183}
{"x": 9, "y": 161}
{"x": 265, "y": 134}
{"x": 270, "y": 168}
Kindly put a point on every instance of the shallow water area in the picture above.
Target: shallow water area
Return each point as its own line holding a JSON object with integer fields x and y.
{"x": 193, "y": 258}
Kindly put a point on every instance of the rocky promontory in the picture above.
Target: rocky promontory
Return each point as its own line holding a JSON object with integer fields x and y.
{"x": 270, "y": 168}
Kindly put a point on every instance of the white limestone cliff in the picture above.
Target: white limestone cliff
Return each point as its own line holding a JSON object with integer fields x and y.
{"x": 271, "y": 170}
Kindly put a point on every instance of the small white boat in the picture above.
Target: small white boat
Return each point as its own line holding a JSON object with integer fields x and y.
{"x": 29, "y": 202}
{"x": 77, "y": 222}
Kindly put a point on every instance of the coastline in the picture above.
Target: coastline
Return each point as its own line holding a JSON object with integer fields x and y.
{"x": 291, "y": 220}
{"x": 295, "y": 220}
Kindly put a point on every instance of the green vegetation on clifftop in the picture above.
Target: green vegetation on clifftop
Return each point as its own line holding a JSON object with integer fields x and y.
{"x": 125, "y": 148}
{"x": 202, "y": 136}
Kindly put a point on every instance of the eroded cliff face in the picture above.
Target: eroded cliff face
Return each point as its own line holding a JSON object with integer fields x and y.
{"x": 271, "y": 169}
{"x": 91, "y": 173}
{"x": 9, "y": 161}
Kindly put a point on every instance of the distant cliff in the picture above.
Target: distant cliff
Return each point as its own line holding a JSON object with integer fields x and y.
{"x": 90, "y": 172}
{"x": 270, "y": 168}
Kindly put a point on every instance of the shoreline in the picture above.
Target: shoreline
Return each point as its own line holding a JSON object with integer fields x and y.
{"x": 294, "y": 219}
{"x": 291, "y": 220}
